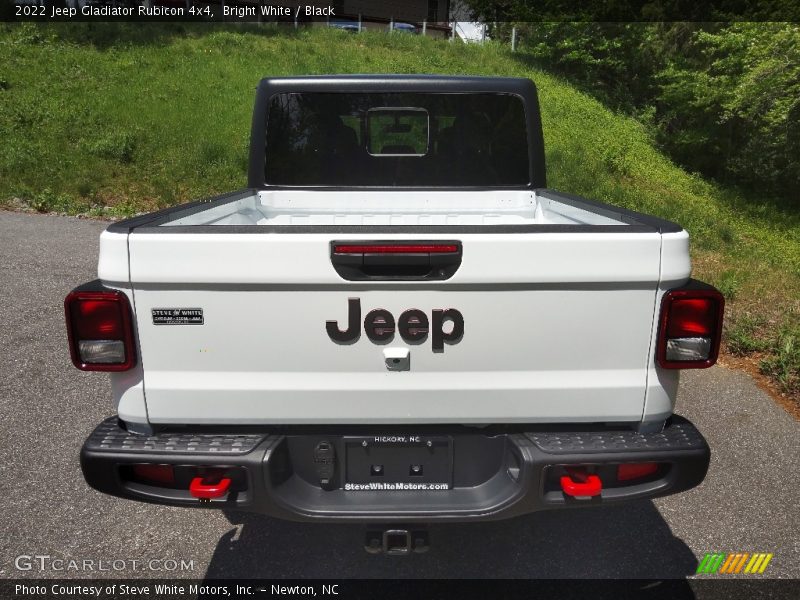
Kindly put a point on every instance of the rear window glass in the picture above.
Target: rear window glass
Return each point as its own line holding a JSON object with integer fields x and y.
{"x": 397, "y": 139}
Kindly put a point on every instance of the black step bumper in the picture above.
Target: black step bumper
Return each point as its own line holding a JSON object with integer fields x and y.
{"x": 490, "y": 474}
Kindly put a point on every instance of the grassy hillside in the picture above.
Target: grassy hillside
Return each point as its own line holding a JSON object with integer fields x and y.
{"x": 144, "y": 118}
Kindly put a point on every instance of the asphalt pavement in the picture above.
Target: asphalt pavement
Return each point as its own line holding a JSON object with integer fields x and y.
{"x": 749, "y": 501}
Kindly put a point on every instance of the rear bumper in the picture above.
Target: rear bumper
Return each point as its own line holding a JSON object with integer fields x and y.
{"x": 491, "y": 474}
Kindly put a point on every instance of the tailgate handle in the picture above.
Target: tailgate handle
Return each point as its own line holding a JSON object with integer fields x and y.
{"x": 396, "y": 260}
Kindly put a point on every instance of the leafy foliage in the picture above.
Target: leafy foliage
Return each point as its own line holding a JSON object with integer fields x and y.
{"x": 721, "y": 99}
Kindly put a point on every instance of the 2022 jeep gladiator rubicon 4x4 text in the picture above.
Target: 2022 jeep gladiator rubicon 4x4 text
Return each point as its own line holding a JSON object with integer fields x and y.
{"x": 395, "y": 322}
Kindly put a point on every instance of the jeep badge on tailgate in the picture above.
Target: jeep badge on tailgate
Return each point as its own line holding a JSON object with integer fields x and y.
{"x": 379, "y": 324}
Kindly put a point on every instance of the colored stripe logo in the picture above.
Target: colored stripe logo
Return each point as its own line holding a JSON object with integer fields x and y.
{"x": 734, "y": 562}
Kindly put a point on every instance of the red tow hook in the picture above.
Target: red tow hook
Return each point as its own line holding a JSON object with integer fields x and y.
{"x": 203, "y": 489}
{"x": 585, "y": 486}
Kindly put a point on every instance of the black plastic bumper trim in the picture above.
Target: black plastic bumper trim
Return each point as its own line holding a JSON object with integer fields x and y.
{"x": 109, "y": 436}
{"x": 495, "y": 476}
{"x": 679, "y": 434}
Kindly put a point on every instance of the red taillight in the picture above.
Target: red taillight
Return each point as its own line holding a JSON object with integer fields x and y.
{"x": 97, "y": 319}
{"x": 100, "y": 330}
{"x": 691, "y": 317}
{"x": 154, "y": 474}
{"x": 626, "y": 472}
{"x": 690, "y": 328}
{"x": 394, "y": 248}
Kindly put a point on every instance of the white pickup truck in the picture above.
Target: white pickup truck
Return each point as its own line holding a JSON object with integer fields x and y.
{"x": 395, "y": 323}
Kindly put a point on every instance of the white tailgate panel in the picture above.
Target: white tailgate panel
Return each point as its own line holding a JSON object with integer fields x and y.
{"x": 550, "y": 334}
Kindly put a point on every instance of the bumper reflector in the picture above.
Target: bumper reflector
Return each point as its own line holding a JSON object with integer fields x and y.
{"x": 629, "y": 471}
{"x": 154, "y": 474}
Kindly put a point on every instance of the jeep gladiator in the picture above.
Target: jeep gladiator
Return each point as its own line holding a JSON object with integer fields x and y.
{"x": 396, "y": 322}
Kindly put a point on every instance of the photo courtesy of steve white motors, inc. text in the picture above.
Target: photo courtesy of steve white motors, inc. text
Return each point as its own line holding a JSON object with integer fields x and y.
{"x": 167, "y": 589}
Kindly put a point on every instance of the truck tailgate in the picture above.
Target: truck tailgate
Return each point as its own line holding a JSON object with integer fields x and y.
{"x": 556, "y": 327}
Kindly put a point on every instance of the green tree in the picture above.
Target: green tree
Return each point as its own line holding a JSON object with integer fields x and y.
{"x": 721, "y": 98}
{"x": 737, "y": 96}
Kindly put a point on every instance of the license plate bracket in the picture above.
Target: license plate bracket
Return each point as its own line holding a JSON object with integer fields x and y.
{"x": 398, "y": 463}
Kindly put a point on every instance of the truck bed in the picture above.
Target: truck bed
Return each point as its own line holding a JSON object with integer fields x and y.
{"x": 410, "y": 208}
